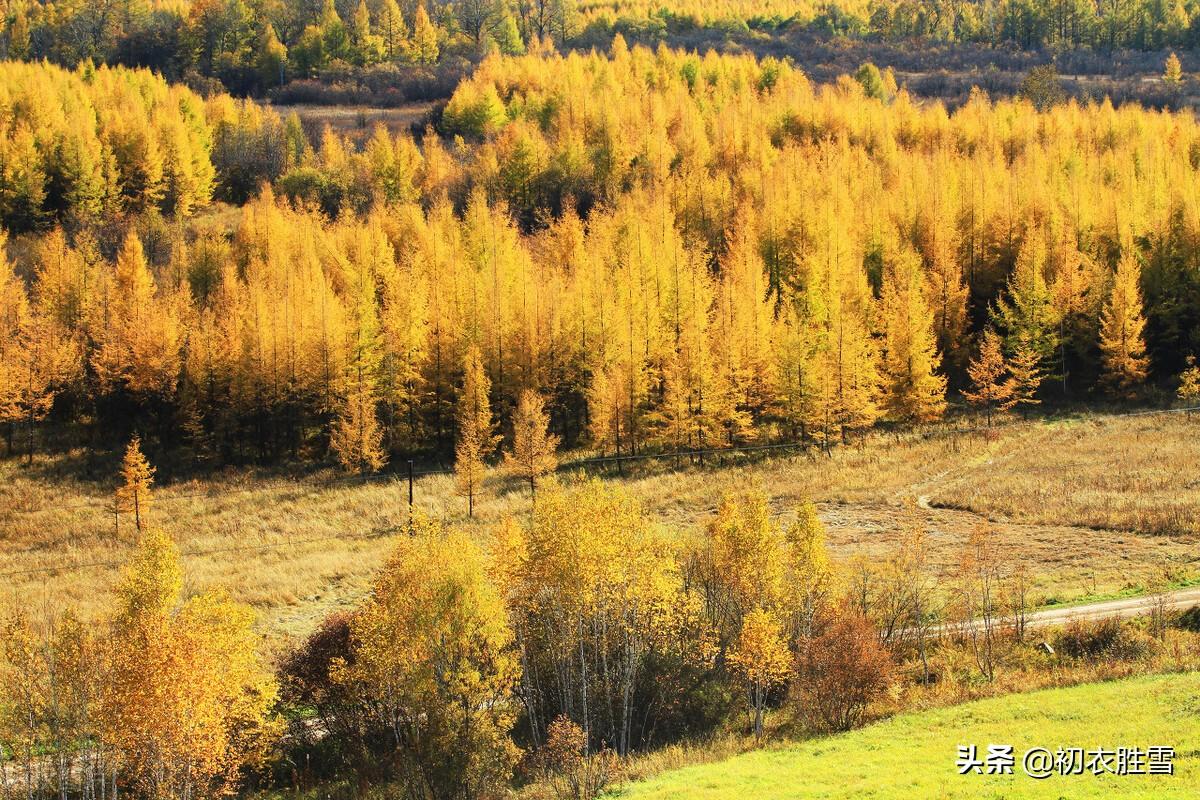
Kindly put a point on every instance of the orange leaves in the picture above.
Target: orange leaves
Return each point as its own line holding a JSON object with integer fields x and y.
{"x": 133, "y": 495}
{"x": 186, "y": 700}
{"x": 137, "y": 329}
{"x": 1122, "y": 342}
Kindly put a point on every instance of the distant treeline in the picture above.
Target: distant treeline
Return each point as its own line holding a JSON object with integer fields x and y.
{"x": 254, "y": 46}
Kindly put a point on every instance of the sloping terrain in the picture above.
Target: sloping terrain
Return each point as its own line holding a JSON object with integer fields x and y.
{"x": 914, "y": 755}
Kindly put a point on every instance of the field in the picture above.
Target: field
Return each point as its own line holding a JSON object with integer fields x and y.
{"x": 357, "y": 123}
{"x": 1094, "y": 505}
{"x": 913, "y": 755}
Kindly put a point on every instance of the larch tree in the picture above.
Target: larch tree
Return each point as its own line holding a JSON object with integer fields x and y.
{"x": 36, "y": 359}
{"x": 913, "y": 390}
{"x": 423, "y": 46}
{"x": 533, "y": 449}
{"x": 271, "y": 60}
{"x": 1172, "y": 71}
{"x": 357, "y": 437}
{"x": 1188, "y": 390}
{"x": 1025, "y": 366}
{"x": 1122, "y": 326}
{"x": 136, "y": 330}
{"x": 133, "y": 496}
{"x": 1027, "y": 317}
{"x": 365, "y": 43}
{"x": 392, "y": 29}
{"x": 606, "y": 400}
{"x": 991, "y": 387}
{"x": 938, "y": 242}
{"x": 476, "y": 429}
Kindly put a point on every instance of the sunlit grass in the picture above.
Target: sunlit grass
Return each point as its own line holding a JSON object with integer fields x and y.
{"x": 298, "y": 549}
{"x": 913, "y": 755}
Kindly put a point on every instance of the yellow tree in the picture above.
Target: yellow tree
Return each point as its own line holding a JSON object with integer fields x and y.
{"x": 36, "y": 360}
{"x": 434, "y": 667}
{"x": 1122, "y": 346}
{"x": 133, "y": 495}
{"x": 938, "y": 242}
{"x": 809, "y": 573}
{"x": 392, "y": 29}
{"x": 761, "y": 657}
{"x": 187, "y": 702}
{"x": 990, "y": 388}
{"x": 476, "y": 429}
{"x": 1027, "y": 316}
{"x": 423, "y": 46}
{"x": 744, "y": 317}
{"x": 1189, "y": 382}
{"x": 606, "y": 398}
{"x": 357, "y": 437}
{"x": 1172, "y": 71}
{"x": 1025, "y": 366}
{"x": 743, "y": 562}
{"x": 137, "y": 331}
{"x": 532, "y": 454}
{"x": 913, "y": 391}
{"x": 596, "y": 590}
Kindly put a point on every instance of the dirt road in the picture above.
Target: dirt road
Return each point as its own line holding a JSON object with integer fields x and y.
{"x": 1177, "y": 600}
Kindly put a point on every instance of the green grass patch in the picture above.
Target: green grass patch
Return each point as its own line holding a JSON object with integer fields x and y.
{"x": 913, "y": 755}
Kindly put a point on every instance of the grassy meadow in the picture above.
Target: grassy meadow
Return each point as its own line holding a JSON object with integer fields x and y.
{"x": 913, "y": 755}
{"x": 1086, "y": 502}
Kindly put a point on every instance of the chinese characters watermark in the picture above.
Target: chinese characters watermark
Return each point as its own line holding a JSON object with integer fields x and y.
{"x": 1039, "y": 762}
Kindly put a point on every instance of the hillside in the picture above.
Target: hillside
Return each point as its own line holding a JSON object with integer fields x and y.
{"x": 913, "y": 755}
{"x": 298, "y": 549}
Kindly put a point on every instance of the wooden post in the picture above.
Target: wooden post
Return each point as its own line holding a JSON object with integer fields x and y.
{"x": 410, "y": 498}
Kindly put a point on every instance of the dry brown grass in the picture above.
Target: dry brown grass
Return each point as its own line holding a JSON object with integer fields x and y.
{"x": 299, "y": 549}
{"x": 1123, "y": 474}
{"x": 357, "y": 123}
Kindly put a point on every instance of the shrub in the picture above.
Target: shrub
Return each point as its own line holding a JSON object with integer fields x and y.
{"x": 841, "y": 671}
{"x": 1102, "y": 639}
{"x": 575, "y": 773}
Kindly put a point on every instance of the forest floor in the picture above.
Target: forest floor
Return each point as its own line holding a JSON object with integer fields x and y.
{"x": 1096, "y": 507}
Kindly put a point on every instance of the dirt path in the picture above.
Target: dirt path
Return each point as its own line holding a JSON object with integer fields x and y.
{"x": 1068, "y": 562}
{"x": 1126, "y": 607}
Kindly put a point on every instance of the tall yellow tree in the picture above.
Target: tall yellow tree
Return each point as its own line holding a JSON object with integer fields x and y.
{"x": 1122, "y": 325}
{"x": 532, "y": 455}
{"x": 357, "y": 437}
{"x": 188, "y": 700}
{"x": 476, "y": 429}
{"x": 423, "y": 45}
{"x": 913, "y": 390}
{"x": 136, "y": 330}
{"x": 36, "y": 359}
